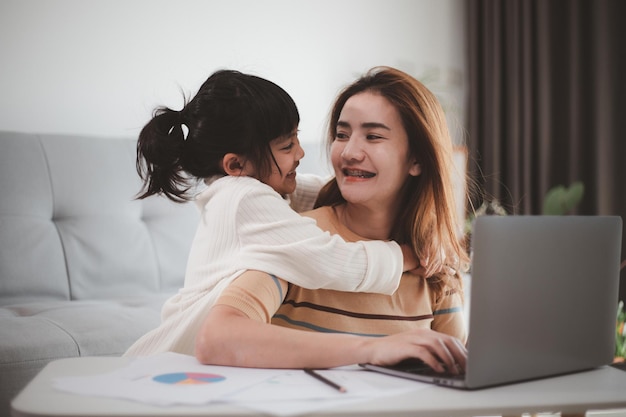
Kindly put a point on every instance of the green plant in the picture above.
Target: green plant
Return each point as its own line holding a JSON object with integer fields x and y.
{"x": 492, "y": 207}
{"x": 561, "y": 200}
{"x": 620, "y": 333}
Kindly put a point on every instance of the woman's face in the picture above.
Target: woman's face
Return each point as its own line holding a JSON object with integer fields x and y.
{"x": 370, "y": 153}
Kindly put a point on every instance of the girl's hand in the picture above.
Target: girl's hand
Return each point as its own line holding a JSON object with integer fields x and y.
{"x": 437, "y": 350}
{"x": 411, "y": 263}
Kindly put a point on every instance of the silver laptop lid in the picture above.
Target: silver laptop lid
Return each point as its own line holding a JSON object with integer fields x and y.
{"x": 543, "y": 296}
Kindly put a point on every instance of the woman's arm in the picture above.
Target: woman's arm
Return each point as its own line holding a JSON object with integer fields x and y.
{"x": 242, "y": 336}
{"x": 229, "y": 337}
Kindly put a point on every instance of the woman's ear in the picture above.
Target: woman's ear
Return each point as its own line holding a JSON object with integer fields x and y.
{"x": 415, "y": 169}
{"x": 234, "y": 164}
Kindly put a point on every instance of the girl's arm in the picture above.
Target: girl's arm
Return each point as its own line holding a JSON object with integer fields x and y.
{"x": 308, "y": 186}
{"x": 275, "y": 239}
{"x": 237, "y": 333}
{"x": 303, "y": 199}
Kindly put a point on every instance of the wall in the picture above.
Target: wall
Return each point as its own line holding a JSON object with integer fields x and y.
{"x": 100, "y": 67}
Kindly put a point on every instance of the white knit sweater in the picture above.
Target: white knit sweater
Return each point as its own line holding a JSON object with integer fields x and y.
{"x": 245, "y": 225}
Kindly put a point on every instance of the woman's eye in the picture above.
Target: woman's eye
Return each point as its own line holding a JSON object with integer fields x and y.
{"x": 373, "y": 136}
{"x": 341, "y": 135}
{"x": 288, "y": 147}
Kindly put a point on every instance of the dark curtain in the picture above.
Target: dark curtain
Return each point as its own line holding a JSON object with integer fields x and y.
{"x": 547, "y": 102}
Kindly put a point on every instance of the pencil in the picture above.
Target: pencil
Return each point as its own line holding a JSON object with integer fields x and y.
{"x": 324, "y": 380}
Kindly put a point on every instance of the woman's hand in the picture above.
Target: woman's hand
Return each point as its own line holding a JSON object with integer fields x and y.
{"x": 437, "y": 350}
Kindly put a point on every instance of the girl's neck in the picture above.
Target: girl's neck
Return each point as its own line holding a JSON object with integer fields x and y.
{"x": 365, "y": 222}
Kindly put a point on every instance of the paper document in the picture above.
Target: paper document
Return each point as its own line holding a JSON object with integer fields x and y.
{"x": 167, "y": 379}
{"x": 297, "y": 392}
{"x": 171, "y": 379}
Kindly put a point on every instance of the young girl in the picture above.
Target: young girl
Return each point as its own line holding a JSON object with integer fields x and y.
{"x": 391, "y": 153}
{"x": 239, "y": 135}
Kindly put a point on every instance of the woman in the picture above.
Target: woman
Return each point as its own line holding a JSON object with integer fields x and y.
{"x": 391, "y": 153}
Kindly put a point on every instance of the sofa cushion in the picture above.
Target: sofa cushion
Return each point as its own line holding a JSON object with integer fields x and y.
{"x": 33, "y": 334}
{"x": 30, "y": 246}
{"x": 77, "y": 328}
{"x": 72, "y": 229}
{"x": 107, "y": 246}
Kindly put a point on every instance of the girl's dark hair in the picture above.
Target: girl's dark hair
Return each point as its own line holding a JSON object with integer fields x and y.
{"x": 232, "y": 112}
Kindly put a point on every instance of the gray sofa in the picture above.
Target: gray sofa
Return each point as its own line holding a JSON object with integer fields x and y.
{"x": 84, "y": 267}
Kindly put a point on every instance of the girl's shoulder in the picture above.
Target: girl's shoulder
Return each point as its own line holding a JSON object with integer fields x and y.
{"x": 231, "y": 189}
{"x": 232, "y": 182}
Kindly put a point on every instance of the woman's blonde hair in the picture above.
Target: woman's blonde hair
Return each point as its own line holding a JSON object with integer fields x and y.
{"x": 428, "y": 220}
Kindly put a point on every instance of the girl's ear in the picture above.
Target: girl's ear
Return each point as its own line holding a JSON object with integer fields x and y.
{"x": 415, "y": 169}
{"x": 234, "y": 164}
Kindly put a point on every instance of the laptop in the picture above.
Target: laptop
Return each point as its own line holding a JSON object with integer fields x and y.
{"x": 542, "y": 300}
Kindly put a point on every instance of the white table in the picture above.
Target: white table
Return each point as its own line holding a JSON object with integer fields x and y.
{"x": 603, "y": 388}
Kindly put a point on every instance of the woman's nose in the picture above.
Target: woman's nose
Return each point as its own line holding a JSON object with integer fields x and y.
{"x": 352, "y": 150}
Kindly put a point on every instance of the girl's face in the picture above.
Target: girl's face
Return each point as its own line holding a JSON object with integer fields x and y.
{"x": 287, "y": 154}
{"x": 370, "y": 153}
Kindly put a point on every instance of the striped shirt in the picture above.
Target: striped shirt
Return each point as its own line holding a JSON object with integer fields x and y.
{"x": 266, "y": 298}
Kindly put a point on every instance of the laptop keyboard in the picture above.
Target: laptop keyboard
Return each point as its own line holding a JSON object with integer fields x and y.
{"x": 417, "y": 366}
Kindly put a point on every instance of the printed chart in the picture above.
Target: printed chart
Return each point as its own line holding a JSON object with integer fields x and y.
{"x": 188, "y": 378}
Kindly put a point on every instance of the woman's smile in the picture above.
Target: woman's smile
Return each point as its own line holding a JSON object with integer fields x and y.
{"x": 356, "y": 174}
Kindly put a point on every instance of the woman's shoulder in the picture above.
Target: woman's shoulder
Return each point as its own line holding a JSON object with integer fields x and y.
{"x": 325, "y": 217}
{"x": 320, "y": 213}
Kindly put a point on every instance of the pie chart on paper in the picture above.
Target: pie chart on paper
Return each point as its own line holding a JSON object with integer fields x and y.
{"x": 188, "y": 378}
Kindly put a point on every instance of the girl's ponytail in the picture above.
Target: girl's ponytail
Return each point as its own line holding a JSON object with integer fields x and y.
{"x": 159, "y": 154}
{"x": 231, "y": 113}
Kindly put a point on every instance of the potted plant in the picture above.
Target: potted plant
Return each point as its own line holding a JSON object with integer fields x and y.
{"x": 560, "y": 200}
{"x": 620, "y": 334}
